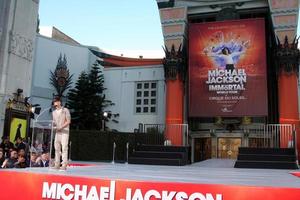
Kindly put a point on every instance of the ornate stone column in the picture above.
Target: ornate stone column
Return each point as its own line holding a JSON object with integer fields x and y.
{"x": 288, "y": 56}
{"x": 173, "y": 63}
{"x": 173, "y": 20}
{"x": 284, "y": 16}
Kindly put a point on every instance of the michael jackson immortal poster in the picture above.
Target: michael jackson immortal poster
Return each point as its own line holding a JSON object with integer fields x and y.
{"x": 227, "y": 69}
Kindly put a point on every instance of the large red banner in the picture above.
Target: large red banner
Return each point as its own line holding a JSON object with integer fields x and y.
{"x": 33, "y": 186}
{"x": 227, "y": 69}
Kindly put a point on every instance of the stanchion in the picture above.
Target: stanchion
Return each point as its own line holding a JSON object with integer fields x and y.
{"x": 70, "y": 150}
{"x": 127, "y": 149}
{"x": 295, "y": 144}
{"x": 114, "y": 150}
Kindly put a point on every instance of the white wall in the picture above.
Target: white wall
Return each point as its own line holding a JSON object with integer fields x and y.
{"x": 119, "y": 81}
{"x": 120, "y": 84}
{"x": 79, "y": 58}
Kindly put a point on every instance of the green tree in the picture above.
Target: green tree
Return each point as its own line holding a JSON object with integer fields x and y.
{"x": 87, "y": 100}
{"x": 76, "y": 101}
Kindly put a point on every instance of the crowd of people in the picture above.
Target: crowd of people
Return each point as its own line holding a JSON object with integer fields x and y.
{"x": 20, "y": 155}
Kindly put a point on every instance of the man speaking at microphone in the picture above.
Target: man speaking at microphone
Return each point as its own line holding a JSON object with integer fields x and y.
{"x": 61, "y": 120}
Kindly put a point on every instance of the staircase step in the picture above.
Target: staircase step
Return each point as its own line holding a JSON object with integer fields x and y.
{"x": 267, "y": 157}
{"x": 160, "y": 155}
{"x": 156, "y": 154}
{"x": 277, "y": 151}
{"x": 155, "y": 161}
{"x": 162, "y": 148}
{"x": 265, "y": 164}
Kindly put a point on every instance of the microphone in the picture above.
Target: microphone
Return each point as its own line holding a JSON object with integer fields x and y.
{"x": 42, "y": 112}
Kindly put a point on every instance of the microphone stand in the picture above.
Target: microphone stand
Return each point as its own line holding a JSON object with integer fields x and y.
{"x": 42, "y": 112}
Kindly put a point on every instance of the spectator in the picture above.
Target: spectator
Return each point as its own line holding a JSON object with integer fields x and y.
{"x": 22, "y": 153}
{"x": 27, "y": 147}
{"x": 44, "y": 160}
{"x": 38, "y": 147}
{"x": 46, "y": 147}
{"x": 34, "y": 160}
{"x": 10, "y": 162}
{"x": 10, "y": 150}
{"x": 2, "y": 157}
{"x": 20, "y": 144}
{"x": 6, "y": 145}
{"x": 21, "y": 162}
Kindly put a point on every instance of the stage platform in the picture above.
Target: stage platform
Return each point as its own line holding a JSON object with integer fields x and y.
{"x": 213, "y": 179}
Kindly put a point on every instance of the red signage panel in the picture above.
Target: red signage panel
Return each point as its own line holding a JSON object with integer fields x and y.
{"x": 227, "y": 69}
{"x": 33, "y": 186}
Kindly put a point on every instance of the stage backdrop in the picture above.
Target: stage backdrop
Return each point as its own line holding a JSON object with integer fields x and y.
{"x": 227, "y": 69}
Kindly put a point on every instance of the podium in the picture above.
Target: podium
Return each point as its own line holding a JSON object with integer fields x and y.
{"x": 42, "y": 139}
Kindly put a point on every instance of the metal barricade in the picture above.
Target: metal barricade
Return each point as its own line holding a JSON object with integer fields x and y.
{"x": 166, "y": 134}
{"x": 153, "y": 134}
{"x": 176, "y": 134}
{"x": 273, "y": 136}
{"x": 279, "y": 135}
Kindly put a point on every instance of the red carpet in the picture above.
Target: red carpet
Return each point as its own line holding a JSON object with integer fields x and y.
{"x": 296, "y": 174}
{"x": 80, "y": 165}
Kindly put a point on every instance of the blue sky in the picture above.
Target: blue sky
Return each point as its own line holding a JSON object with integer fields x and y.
{"x": 128, "y": 25}
{"x": 124, "y": 25}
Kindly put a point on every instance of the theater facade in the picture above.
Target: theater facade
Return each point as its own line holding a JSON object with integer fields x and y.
{"x": 231, "y": 72}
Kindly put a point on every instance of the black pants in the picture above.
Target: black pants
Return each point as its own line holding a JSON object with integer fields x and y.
{"x": 229, "y": 67}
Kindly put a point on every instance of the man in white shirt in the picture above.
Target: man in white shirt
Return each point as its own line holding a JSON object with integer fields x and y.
{"x": 61, "y": 120}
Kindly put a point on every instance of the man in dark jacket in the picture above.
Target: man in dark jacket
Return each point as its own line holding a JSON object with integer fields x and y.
{"x": 12, "y": 160}
{"x": 34, "y": 160}
{"x": 44, "y": 160}
{"x": 6, "y": 145}
{"x": 20, "y": 144}
{"x": 21, "y": 163}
